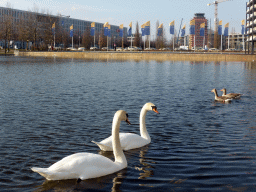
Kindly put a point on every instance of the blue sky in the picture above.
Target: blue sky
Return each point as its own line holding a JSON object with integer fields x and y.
{"x": 118, "y": 12}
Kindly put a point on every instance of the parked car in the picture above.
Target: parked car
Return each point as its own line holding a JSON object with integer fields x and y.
{"x": 119, "y": 49}
{"x": 93, "y": 48}
{"x": 165, "y": 49}
{"x": 81, "y": 49}
{"x": 71, "y": 49}
{"x": 231, "y": 49}
{"x": 132, "y": 48}
{"x": 213, "y": 49}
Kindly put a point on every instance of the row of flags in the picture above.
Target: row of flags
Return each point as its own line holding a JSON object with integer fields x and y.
{"x": 145, "y": 29}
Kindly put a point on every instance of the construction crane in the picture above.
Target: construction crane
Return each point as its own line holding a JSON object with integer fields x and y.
{"x": 216, "y": 19}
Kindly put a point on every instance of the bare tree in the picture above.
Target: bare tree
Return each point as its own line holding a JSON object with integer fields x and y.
{"x": 34, "y": 24}
{"x": 23, "y": 29}
{"x": 137, "y": 36}
{"x": 87, "y": 38}
{"x": 7, "y": 26}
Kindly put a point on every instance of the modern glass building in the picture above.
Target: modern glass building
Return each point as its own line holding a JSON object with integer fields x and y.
{"x": 79, "y": 26}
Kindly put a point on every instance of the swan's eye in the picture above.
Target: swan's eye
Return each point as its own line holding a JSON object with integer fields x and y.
{"x": 127, "y": 115}
{"x": 153, "y": 107}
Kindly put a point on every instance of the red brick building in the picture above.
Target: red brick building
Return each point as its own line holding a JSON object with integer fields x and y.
{"x": 200, "y": 40}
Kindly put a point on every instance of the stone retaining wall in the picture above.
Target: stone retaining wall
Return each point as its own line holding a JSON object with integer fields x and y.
{"x": 143, "y": 56}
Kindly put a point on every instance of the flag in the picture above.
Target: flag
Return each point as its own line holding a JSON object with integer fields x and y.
{"x": 172, "y": 27}
{"x": 160, "y": 30}
{"x": 130, "y": 29}
{"x": 105, "y": 26}
{"x": 192, "y": 27}
{"x": 242, "y": 31}
{"x": 226, "y": 29}
{"x": 53, "y": 28}
{"x": 92, "y": 28}
{"x": 121, "y": 27}
{"x": 220, "y": 28}
{"x": 142, "y": 30}
{"x": 183, "y": 30}
{"x": 202, "y": 29}
{"x": 147, "y": 28}
{"x": 71, "y": 30}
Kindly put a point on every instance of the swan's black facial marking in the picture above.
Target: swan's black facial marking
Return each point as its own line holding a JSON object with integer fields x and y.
{"x": 154, "y": 108}
{"x": 127, "y": 120}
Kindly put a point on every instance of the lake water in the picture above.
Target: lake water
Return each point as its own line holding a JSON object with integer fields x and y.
{"x": 51, "y": 108}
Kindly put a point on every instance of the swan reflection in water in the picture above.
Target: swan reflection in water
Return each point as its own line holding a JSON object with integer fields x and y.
{"x": 145, "y": 168}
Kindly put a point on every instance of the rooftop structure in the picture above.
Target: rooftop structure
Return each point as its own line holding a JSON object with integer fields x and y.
{"x": 200, "y": 41}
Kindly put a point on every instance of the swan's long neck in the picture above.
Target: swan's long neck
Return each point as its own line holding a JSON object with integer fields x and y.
{"x": 224, "y": 92}
{"x": 143, "y": 129}
{"x": 117, "y": 149}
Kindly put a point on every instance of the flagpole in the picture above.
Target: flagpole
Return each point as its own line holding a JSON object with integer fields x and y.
{"x": 221, "y": 42}
{"x": 131, "y": 40}
{"x": 94, "y": 38}
{"x": 72, "y": 41}
{"x": 228, "y": 41}
{"x": 144, "y": 42}
{"x": 173, "y": 43}
{"x": 195, "y": 42}
{"x": 243, "y": 42}
{"x": 204, "y": 42}
{"x": 149, "y": 41}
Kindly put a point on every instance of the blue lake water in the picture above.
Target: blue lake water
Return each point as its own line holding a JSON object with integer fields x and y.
{"x": 51, "y": 108}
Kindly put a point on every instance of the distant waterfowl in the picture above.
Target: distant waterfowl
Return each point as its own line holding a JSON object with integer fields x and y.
{"x": 88, "y": 165}
{"x": 131, "y": 140}
{"x": 230, "y": 95}
{"x": 220, "y": 98}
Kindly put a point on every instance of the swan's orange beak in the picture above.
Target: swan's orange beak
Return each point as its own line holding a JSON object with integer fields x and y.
{"x": 155, "y": 110}
{"x": 127, "y": 121}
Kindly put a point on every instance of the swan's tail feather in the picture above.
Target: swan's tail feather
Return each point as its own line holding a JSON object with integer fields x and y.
{"x": 42, "y": 171}
{"x": 54, "y": 175}
{"x": 103, "y": 147}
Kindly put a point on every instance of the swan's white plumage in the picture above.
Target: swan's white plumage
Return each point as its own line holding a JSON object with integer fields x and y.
{"x": 131, "y": 140}
{"x": 88, "y": 165}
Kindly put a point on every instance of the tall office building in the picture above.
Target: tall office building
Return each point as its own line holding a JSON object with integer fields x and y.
{"x": 251, "y": 25}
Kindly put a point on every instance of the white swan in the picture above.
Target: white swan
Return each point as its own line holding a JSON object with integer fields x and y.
{"x": 131, "y": 140}
{"x": 88, "y": 165}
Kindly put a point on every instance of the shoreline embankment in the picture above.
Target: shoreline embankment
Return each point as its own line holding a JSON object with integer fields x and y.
{"x": 159, "y": 56}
